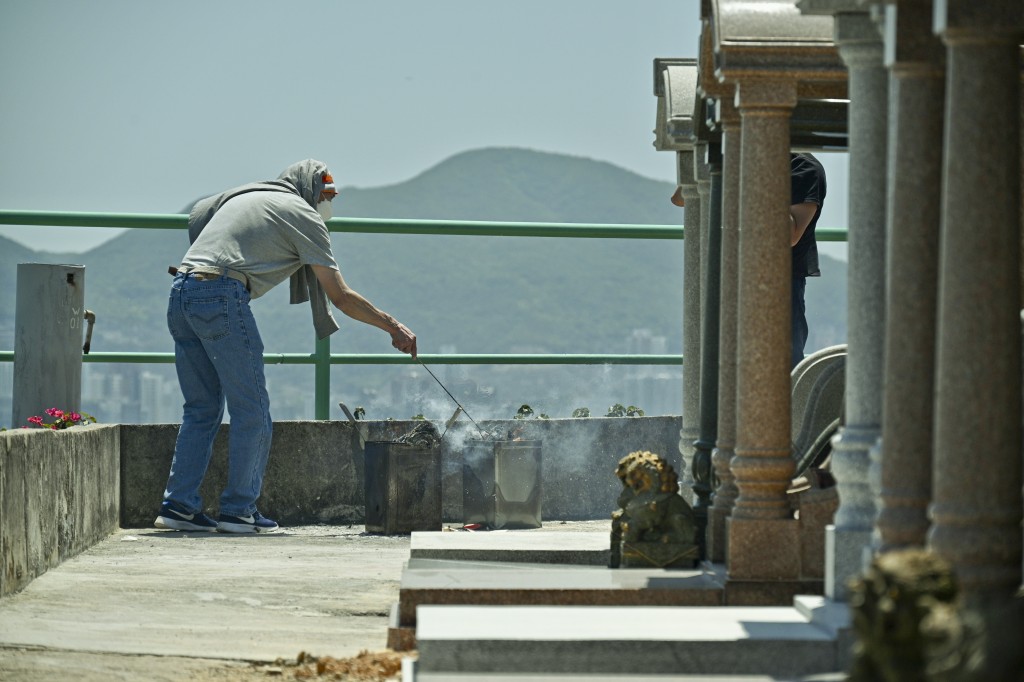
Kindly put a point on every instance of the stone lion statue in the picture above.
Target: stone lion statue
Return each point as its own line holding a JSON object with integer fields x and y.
{"x": 651, "y": 512}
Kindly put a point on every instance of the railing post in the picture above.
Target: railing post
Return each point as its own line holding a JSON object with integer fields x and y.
{"x": 322, "y": 379}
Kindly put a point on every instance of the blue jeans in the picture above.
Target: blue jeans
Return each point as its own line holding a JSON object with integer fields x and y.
{"x": 219, "y": 356}
{"x": 799, "y": 338}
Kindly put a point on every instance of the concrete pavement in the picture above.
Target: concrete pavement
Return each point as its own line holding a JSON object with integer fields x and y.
{"x": 147, "y": 604}
{"x": 147, "y": 593}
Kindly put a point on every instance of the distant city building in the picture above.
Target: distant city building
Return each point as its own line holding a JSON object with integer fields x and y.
{"x": 656, "y": 389}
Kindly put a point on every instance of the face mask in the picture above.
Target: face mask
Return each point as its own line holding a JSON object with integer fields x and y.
{"x": 324, "y": 209}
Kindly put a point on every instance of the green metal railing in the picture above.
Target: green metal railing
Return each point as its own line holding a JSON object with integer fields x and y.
{"x": 322, "y": 358}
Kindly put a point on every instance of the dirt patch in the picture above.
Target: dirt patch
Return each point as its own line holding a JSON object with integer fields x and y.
{"x": 367, "y": 666}
{"x": 43, "y": 665}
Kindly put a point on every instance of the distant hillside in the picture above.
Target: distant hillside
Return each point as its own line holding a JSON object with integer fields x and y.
{"x": 480, "y": 294}
{"x": 519, "y": 185}
{"x": 476, "y": 294}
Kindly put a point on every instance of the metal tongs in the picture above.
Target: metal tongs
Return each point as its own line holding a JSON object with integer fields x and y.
{"x": 447, "y": 425}
{"x": 461, "y": 409}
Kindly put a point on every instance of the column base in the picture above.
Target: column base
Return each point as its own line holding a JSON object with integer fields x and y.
{"x": 760, "y": 592}
{"x": 768, "y": 592}
{"x": 717, "y": 538}
{"x": 763, "y": 549}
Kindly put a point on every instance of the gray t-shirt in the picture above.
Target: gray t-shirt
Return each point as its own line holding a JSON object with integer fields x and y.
{"x": 265, "y": 235}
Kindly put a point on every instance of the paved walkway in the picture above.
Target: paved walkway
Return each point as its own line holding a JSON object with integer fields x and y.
{"x": 146, "y": 604}
{"x": 152, "y": 605}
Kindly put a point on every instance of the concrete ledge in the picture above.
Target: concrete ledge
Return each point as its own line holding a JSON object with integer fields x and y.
{"x": 59, "y": 494}
{"x": 523, "y": 546}
{"x": 833, "y": 617}
{"x": 315, "y": 472}
{"x": 555, "y": 586}
{"x": 718, "y": 640}
{"x": 412, "y": 676}
{"x": 400, "y": 637}
{"x": 568, "y": 677}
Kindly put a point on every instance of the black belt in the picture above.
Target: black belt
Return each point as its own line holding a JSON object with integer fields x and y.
{"x": 204, "y": 272}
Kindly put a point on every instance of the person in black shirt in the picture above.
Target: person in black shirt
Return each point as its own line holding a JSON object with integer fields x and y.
{"x": 806, "y": 200}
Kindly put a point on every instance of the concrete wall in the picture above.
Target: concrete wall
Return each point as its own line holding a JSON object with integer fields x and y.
{"x": 62, "y": 491}
{"x": 59, "y": 494}
{"x": 315, "y": 473}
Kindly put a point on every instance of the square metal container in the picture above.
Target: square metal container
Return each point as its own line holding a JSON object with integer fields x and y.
{"x": 501, "y": 483}
{"x": 402, "y": 487}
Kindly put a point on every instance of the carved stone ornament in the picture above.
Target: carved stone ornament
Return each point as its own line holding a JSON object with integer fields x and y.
{"x": 654, "y": 526}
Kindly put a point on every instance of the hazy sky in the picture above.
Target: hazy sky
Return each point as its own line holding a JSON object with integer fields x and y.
{"x": 144, "y": 106}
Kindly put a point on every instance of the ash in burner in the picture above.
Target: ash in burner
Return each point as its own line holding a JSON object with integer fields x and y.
{"x": 423, "y": 435}
{"x": 499, "y": 436}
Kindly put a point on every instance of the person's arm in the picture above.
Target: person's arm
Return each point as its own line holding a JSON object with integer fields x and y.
{"x": 800, "y": 216}
{"x": 352, "y": 303}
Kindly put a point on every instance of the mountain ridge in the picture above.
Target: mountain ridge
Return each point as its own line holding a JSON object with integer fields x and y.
{"x": 465, "y": 294}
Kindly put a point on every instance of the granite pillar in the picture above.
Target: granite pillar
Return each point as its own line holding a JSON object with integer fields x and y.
{"x": 860, "y": 46}
{"x": 690, "y": 429}
{"x": 976, "y": 507}
{"x": 903, "y": 460}
{"x": 721, "y": 458}
{"x": 762, "y": 533}
{"x": 711, "y": 274}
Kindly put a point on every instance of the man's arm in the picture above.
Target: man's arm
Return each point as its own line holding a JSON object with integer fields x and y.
{"x": 350, "y": 302}
{"x": 800, "y": 216}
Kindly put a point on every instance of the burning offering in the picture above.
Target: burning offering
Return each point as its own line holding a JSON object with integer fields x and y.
{"x": 403, "y": 482}
{"x": 423, "y": 435}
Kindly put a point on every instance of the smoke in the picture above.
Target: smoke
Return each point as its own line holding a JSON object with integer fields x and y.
{"x": 496, "y": 392}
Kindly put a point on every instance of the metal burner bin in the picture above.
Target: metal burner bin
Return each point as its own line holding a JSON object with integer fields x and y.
{"x": 402, "y": 487}
{"x": 501, "y": 484}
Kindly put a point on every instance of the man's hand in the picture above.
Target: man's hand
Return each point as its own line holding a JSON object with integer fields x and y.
{"x": 404, "y": 340}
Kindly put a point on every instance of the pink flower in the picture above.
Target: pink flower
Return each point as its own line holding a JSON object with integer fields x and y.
{"x": 38, "y": 421}
{"x": 75, "y": 417}
{"x": 54, "y": 412}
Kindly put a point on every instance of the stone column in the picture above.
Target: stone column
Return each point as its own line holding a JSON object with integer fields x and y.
{"x": 860, "y": 46}
{"x": 702, "y": 172}
{"x": 691, "y": 306}
{"x": 762, "y": 534}
{"x": 903, "y": 461}
{"x": 976, "y": 508}
{"x": 721, "y": 458}
{"x": 711, "y": 262}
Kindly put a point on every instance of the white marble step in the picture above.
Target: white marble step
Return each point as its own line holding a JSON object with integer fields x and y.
{"x": 587, "y": 548}
{"x": 650, "y": 640}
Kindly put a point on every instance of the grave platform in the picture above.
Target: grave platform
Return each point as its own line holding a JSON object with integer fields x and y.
{"x": 663, "y": 640}
{"x": 545, "y": 545}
